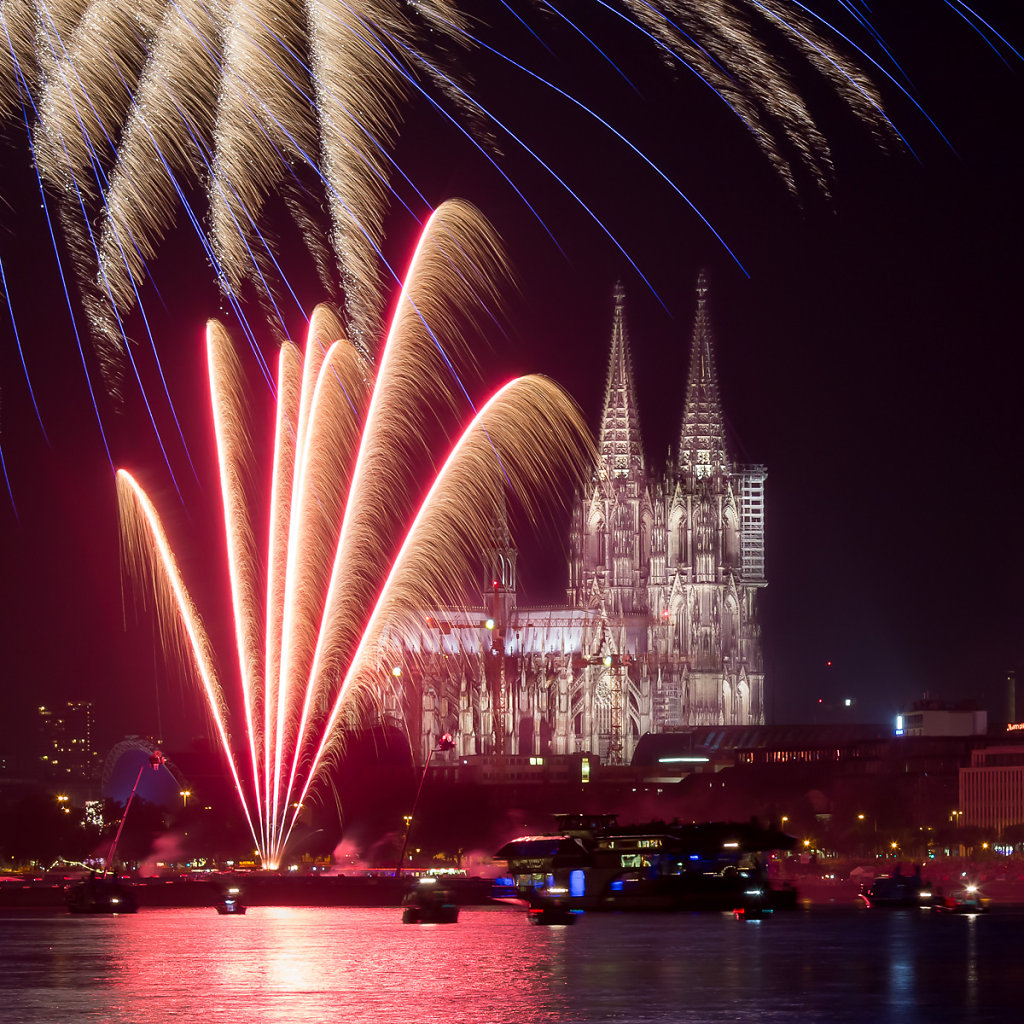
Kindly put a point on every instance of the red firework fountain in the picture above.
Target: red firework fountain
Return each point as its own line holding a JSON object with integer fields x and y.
{"x": 309, "y": 621}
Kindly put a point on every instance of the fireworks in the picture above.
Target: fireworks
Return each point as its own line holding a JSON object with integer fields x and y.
{"x": 354, "y": 552}
{"x": 133, "y": 105}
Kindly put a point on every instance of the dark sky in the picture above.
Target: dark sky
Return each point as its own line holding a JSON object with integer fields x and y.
{"x": 870, "y": 361}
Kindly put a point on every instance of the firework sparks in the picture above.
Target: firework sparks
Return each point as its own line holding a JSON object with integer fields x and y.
{"x": 134, "y": 105}
{"x": 353, "y": 549}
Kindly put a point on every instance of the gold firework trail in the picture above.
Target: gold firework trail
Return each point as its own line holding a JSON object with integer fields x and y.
{"x": 133, "y": 104}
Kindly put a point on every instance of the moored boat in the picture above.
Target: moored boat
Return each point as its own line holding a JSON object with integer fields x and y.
{"x": 602, "y": 865}
{"x": 897, "y": 890}
{"x": 96, "y": 895}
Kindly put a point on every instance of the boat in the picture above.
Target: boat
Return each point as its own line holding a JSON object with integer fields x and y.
{"x": 605, "y": 866}
{"x": 98, "y": 895}
{"x": 897, "y": 890}
{"x": 967, "y": 901}
{"x": 548, "y": 907}
{"x": 429, "y": 903}
{"x": 752, "y": 907}
{"x": 231, "y": 902}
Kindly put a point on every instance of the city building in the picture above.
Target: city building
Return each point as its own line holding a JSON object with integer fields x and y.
{"x": 660, "y": 627}
{"x": 936, "y": 718}
{"x": 68, "y": 755}
{"x": 992, "y": 788}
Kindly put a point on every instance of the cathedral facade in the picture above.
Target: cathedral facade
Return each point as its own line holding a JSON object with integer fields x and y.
{"x": 659, "y": 630}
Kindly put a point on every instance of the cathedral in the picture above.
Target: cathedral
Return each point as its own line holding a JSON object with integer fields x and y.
{"x": 659, "y": 630}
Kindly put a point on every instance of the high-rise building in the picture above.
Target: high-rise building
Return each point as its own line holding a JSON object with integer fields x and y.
{"x": 68, "y": 754}
{"x": 660, "y": 628}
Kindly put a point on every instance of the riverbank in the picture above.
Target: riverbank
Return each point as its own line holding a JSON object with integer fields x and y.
{"x": 839, "y": 880}
{"x": 834, "y": 882}
{"x": 259, "y": 890}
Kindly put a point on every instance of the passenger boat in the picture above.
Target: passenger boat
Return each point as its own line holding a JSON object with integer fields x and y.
{"x": 97, "y": 895}
{"x": 603, "y": 865}
{"x": 231, "y": 902}
{"x": 429, "y": 903}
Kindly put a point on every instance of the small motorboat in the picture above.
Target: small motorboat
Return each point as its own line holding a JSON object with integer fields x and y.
{"x": 231, "y": 902}
{"x": 99, "y": 895}
{"x": 429, "y": 903}
{"x": 548, "y": 907}
{"x": 967, "y": 901}
{"x": 552, "y": 915}
{"x": 753, "y": 906}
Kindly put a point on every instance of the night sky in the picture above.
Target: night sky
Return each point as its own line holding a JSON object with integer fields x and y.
{"x": 871, "y": 361}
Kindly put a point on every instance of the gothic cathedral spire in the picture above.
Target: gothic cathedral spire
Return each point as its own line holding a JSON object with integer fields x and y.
{"x": 702, "y": 440}
{"x": 660, "y": 630}
{"x": 620, "y": 448}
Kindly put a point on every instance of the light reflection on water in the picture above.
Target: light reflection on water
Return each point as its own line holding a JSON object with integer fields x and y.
{"x": 297, "y": 965}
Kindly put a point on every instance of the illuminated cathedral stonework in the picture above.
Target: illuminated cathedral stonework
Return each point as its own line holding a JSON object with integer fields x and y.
{"x": 660, "y": 628}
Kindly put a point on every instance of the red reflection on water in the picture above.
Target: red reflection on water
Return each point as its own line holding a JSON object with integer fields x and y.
{"x": 299, "y": 964}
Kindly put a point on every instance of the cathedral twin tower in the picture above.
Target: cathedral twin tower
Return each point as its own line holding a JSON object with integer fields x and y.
{"x": 660, "y": 630}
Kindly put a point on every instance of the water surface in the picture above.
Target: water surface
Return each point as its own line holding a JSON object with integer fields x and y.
{"x": 297, "y": 965}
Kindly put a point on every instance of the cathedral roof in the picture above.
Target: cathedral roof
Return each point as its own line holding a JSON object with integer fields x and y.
{"x": 702, "y": 440}
{"x": 455, "y": 631}
{"x": 620, "y": 448}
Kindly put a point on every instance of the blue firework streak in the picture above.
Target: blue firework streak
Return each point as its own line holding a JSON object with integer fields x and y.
{"x": 134, "y": 109}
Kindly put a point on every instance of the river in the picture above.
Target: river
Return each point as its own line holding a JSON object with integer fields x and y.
{"x": 302, "y": 964}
